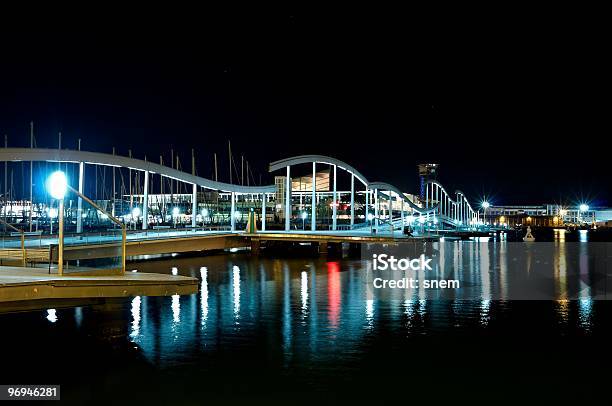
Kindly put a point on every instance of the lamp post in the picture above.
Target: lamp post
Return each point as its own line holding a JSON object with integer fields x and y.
{"x": 175, "y": 213}
{"x": 583, "y": 208}
{"x": 204, "y": 215}
{"x": 135, "y": 215}
{"x": 485, "y": 206}
{"x": 304, "y": 215}
{"x": 57, "y": 185}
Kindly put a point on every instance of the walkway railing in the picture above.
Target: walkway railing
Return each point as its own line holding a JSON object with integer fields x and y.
{"x": 10, "y": 253}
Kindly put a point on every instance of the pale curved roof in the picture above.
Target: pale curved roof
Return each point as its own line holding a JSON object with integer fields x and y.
{"x": 304, "y": 159}
{"x": 97, "y": 158}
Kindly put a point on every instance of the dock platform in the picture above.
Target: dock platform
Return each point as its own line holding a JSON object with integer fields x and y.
{"x": 19, "y": 284}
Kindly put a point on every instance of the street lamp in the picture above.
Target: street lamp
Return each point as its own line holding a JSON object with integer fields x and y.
{"x": 135, "y": 215}
{"x": 583, "y": 208}
{"x": 57, "y": 185}
{"x": 304, "y": 215}
{"x": 485, "y": 205}
{"x": 175, "y": 213}
{"x": 370, "y": 218}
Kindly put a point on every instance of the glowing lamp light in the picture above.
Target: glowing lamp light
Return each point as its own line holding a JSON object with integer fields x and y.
{"x": 584, "y": 207}
{"x": 237, "y": 214}
{"x": 422, "y": 220}
{"x": 304, "y": 215}
{"x": 57, "y": 185}
{"x": 175, "y": 211}
{"x": 136, "y": 212}
{"x": 370, "y": 216}
{"x": 205, "y": 213}
{"x": 53, "y": 213}
{"x": 485, "y": 205}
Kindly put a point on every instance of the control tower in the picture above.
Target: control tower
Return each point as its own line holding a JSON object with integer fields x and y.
{"x": 427, "y": 172}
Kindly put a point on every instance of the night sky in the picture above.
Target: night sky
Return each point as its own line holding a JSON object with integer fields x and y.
{"x": 510, "y": 110}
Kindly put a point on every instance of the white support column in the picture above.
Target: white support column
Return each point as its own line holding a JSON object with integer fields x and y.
{"x": 313, "y": 206}
{"x": 436, "y": 190}
{"x": 335, "y": 205}
{"x": 80, "y": 201}
{"x": 263, "y": 212}
{"x": 288, "y": 199}
{"x": 402, "y": 213}
{"x": 367, "y": 205}
{"x": 145, "y": 202}
{"x": 352, "y": 200}
{"x": 426, "y": 195}
{"x": 376, "y": 207}
{"x": 194, "y": 205}
{"x": 233, "y": 209}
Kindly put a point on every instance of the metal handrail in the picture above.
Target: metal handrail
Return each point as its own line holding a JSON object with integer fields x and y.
{"x": 111, "y": 218}
{"x": 22, "y": 236}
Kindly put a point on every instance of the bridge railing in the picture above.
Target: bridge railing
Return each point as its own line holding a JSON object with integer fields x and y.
{"x": 16, "y": 252}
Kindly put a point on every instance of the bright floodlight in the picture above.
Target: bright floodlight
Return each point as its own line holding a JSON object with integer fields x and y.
{"x": 57, "y": 185}
{"x": 370, "y": 216}
{"x": 136, "y": 212}
{"x": 584, "y": 207}
{"x": 485, "y": 205}
{"x": 53, "y": 213}
{"x": 175, "y": 211}
{"x": 304, "y": 215}
{"x": 237, "y": 214}
{"x": 205, "y": 213}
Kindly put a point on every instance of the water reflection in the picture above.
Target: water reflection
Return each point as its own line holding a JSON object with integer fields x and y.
{"x": 369, "y": 314}
{"x": 136, "y": 303}
{"x": 236, "y": 291}
{"x": 312, "y": 309}
{"x": 204, "y": 295}
{"x": 176, "y": 308}
{"x": 52, "y": 315}
{"x": 304, "y": 293}
{"x": 333, "y": 292}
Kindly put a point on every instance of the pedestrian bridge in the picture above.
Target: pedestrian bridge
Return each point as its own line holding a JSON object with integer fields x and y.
{"x": 312, "y": 194}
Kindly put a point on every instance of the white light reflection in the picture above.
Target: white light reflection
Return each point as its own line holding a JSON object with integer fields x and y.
{"x": 485, "y": 307}
{"x": 51, "y": 315}
{"x": 204, "y": 294}
{"x": 236, "y": 290}
{"x": 174, "y": 271}
{"x": 135, "y": 317}
{"x": 78, "y": 316}
{"x": 585, "y": 308}
{"x": 176, "y": 308}
{"x": 304, "y": 293}
{"x": 369, "y": 313}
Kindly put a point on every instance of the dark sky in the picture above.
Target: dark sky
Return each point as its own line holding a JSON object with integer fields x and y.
{"x": 516, "y": 110}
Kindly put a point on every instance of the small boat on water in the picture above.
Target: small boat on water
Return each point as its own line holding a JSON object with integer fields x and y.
{"x": 528, "y": 237}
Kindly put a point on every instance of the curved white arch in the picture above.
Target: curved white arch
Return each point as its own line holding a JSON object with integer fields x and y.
{"x": 97, "y": 158}
{"x": 387, "y": 186}
{"x": 459, "y": 202}
{"x": 320, "y": 159}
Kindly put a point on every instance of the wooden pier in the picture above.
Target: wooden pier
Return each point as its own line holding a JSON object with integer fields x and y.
{"x": 27, "y": 288}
